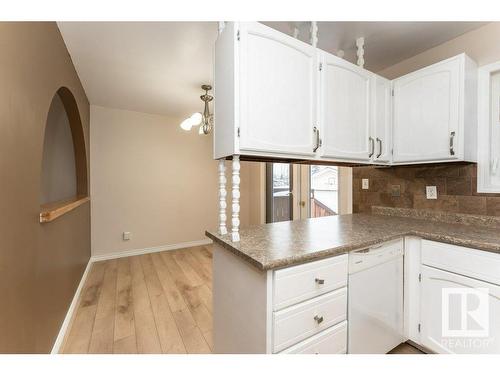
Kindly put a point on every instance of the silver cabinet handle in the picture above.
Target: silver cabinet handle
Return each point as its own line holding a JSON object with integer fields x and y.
{"x": 372, "y": 146}
{"x": 319, "y": 281}
{"x": 452, "y": 136}
{"x": 318, "y": 139}
{"x": 318, "y": 319}
{"x": 379, "y": 141}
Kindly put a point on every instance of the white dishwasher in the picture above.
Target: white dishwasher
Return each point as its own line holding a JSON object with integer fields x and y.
{"x": 375, "y": 299}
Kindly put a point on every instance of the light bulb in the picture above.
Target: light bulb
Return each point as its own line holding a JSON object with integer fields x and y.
{"x": 200, "y": 131}
{"x": 187, "y": 124}
{"x": 196, "y": 118}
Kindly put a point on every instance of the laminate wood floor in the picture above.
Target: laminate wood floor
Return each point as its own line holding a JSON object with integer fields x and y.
{"x": 405, "y": 348}
{"x": 152, "y": 303}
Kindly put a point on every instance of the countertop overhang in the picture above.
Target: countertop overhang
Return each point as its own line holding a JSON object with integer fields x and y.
{"x": 284, "y": 244}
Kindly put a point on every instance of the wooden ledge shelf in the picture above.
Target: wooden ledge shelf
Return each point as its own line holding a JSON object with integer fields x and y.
{"x": 51, "y": 211}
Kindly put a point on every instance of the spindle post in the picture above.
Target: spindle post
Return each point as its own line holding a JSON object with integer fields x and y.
{"x": 221, "y": 26}
{"x": 314, "y": 33}
{"x": 360, "y": 43}
{"x": 235, "y": 208}
{"x": 222, "y": 197}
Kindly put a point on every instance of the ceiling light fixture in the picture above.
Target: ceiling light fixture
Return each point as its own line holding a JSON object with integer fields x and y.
{"x": 205, "y": 120}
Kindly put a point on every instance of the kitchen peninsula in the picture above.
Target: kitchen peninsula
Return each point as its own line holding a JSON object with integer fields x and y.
{"x": 284, "y": 286}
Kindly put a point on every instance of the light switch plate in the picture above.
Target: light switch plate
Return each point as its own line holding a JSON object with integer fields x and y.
{"x": 431, "y": 192}
{"x": 126, "y": 236}
{"x": 365, "y": 184}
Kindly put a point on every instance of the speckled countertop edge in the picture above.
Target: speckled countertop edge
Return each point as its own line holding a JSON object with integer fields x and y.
{"x": 473, "y": 240}
{"x": 303, "y": 258}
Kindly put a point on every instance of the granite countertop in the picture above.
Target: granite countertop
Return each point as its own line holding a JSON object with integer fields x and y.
{"x": 289, "y": 243}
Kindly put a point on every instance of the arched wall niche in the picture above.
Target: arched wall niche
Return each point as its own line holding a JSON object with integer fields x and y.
{"x": 64, "y": 181}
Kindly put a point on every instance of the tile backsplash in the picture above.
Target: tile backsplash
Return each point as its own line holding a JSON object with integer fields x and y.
{"x": 405, "y": 187}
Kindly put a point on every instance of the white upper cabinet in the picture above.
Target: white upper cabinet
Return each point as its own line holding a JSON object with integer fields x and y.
{"x": 345, "y": 113}
{"x": 266, "y": 92}
{"x": 354, "y": 113}
{"x": 278, "y": 97}
{"x": 488, "y": 164}
{"x": 382, "y": 123}
{"x": 433, "y": 112}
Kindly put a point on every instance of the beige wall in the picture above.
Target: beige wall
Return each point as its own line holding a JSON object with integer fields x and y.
{"x": 40, "y": 264}
{"x": 482, "y": 45}
{"x": 153, "y": 179}
{"x": 345, "y": 190}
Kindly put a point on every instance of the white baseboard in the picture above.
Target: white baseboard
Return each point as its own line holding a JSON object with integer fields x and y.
{"x": 71, "y": 310}
{"x": 148, "y": 250}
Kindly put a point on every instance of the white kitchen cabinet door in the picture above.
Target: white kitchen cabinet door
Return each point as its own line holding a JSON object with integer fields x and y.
{"x": 459, "y": 314}
{"x": 382, "y": 124}
{"x": 277, "y": 91}
{"x": 427, "y": 113}
{"x": 488, "y": 165}
{"x": 345, "y": 110}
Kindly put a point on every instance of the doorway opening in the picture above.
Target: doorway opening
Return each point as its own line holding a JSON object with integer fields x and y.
{"x": 279, "y": 197}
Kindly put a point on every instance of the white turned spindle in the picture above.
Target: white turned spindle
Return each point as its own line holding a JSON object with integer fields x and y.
{"x": 296, "y": 32}
{"x": 222, "y": 197}
{"x": 222, "y": 25}
{"x": 340, "y": 53}
{"x": 314, "y": 33}
{"x": 360, "y": 43}
{"x": 235, "y": 222}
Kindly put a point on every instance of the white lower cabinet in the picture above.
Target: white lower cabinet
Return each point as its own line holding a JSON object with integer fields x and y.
{"x": 303, "y": 320}
{"x": 451, "y": 299}
{"x": 459, "y": 299}
{"x": 299, "y": 283}
{"x": 459, "y": 314}
{"x": 331, "y": 341}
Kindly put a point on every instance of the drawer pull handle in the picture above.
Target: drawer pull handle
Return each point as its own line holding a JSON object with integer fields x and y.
{"x": 319, "y": 281}
{"x": 318, "y": 319}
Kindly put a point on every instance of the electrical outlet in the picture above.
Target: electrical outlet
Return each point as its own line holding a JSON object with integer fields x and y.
{"x": 365, "y": 184}
{"x": 395, "y": 190}
{"x": 431, "y": 192}
{"x": 126, "y": 236}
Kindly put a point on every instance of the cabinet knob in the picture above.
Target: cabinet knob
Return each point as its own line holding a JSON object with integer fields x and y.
{"x": 318, "y": 319}
{"x": 319, "y": 281}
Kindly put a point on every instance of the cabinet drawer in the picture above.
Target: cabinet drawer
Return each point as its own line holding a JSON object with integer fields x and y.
{"x": 331, "y": 341}
{"x": 478, "y": 264}
{"x": 301, "y": 321}
{"x": 299, "y": 283}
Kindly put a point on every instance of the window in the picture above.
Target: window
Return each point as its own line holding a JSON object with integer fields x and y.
{"x": 323, "y": 191}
